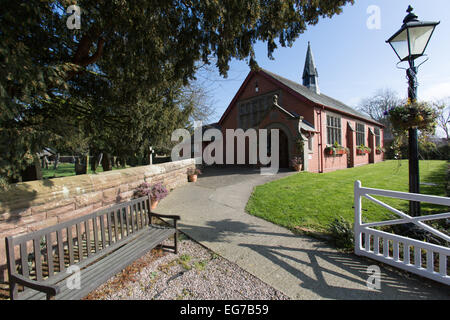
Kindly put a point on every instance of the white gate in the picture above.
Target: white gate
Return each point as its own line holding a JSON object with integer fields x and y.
{"x": 425, "y": 259}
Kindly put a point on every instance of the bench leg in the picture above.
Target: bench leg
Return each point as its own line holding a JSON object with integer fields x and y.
{"x": 50, "y": 297}
{"x": 175, "y": 236}
{"x": 176, "y": 242}
{"x": 12, "y": 290}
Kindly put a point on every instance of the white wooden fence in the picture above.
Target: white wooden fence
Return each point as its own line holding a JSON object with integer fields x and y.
{"x": 423, "y": 258}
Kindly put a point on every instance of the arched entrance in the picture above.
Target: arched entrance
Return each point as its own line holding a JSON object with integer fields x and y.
{"x": 284, "y": 150}
{"x": 285, "y": 142}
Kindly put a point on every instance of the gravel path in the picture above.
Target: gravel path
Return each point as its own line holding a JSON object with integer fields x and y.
{"x": 195, "y": 273}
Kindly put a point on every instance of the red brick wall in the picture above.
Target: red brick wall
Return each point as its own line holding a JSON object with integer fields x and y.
{"x": 311, "y": 114}
{"x": 35, "y": 205}
{"x": 332, "y": 163}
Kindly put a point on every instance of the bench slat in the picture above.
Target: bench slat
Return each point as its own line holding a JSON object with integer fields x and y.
{"x": 146, "y": 211}
{"x": 95, "y": 229}
{"x": 127, "y": 212}
{"x": 24, "y": 259}
{"x": 80, "y": 242}
{"x": 60, "y": 240}
{"x": 49, "y": 246}
{"x": 108, "y": 222}
{"x": 116, "y": 225}
{"x": 141, "y": 218}
{"x": 132, "y": 210}
{"x": 122, "y": 233}
{"x": 87, "y": 229}
{"x": 37, "y": 258}
{"x": 70, "y": 245}
{"x": 102, "y": 227}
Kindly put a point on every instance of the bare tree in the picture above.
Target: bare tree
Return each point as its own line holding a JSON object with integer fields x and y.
{"x": 379, "y": 103}
{"x": 377, "y": 106}
{"x": 197, "y": 95}
{"x": 443, "y": 120}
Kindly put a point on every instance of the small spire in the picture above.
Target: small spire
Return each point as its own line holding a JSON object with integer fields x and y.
{"x": 310, "y": 74}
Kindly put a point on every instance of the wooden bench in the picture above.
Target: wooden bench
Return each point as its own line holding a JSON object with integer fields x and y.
{"x": 41, "y": 264}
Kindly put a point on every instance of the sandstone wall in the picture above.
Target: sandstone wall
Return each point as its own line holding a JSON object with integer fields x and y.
{"x": 34, "y": 205}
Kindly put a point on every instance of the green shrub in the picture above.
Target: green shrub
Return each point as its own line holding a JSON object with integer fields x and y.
{"x": 342, "y": 233}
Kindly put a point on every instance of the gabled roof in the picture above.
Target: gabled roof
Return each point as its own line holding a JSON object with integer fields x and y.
{"x": 321, "y": 99}
{"x": 303, "y": 93}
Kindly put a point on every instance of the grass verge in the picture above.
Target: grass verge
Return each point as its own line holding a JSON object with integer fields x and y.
{"x": 311, "y": 201}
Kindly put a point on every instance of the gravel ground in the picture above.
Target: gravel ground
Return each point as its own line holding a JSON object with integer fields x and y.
{"x": 195, "y": 273}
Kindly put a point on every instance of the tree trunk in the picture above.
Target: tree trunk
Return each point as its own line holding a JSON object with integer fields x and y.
{"x": 106, "y": 162}
{"x": 55, "y": 165}
{"x": 44, "y": 163}
{"x": 79, "y": 167}
{"x": 33, "y": 171}
{"x": 94, "y": 164}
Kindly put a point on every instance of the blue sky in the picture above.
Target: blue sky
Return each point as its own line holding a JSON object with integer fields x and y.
{"x": 353, "y": 61}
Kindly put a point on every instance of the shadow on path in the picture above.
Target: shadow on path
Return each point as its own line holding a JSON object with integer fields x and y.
{"x": 317, "y": 267}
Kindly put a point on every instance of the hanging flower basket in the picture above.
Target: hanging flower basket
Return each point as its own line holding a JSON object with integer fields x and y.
{"x": 413, "y": 115}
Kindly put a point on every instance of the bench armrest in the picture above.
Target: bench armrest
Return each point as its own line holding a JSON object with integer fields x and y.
{"x": 49, "y": 289}
{"x": 174, "y": 217}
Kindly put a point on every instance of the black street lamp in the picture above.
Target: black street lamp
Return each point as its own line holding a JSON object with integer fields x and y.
{"x": 409, "y": 43}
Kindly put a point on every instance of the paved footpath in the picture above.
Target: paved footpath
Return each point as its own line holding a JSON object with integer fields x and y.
{"x": 213, "y": 213}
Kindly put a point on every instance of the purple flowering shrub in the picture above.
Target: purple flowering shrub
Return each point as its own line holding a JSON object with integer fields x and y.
{"x": 156, "y": 192}
{"x": 142, "y": 190}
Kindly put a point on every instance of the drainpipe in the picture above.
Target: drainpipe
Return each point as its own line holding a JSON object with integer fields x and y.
{"x": 319, "y": 113}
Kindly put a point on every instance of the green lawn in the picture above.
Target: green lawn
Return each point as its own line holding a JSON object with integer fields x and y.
{"x": 65, "y": 170}
{"x": 313, "y": 200}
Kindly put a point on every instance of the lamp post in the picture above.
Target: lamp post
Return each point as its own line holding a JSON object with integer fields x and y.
{"x": 409, "y": 43}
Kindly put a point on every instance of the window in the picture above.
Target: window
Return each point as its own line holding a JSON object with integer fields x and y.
{"x": 334, "y": 130}
{"x": 377, "y": 137}
{"x": 253, "y": 110}
{"x": 310, "y": 143}
{"x": 360, "y": 134}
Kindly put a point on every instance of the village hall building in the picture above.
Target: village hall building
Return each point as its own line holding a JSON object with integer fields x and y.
{"x": 266, "y": 100}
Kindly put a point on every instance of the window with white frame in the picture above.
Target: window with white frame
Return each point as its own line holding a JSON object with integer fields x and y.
{"x": 376, "y": 130}
{"x": 360, "y": 134}
{"x": 334, "y": 132}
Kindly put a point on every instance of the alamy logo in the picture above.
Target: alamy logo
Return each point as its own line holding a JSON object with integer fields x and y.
{"x": 74, "y": 281}
{"x": 263, "y": 145}
{"x": 74, "y": 20}
{"x": 374, "y": 280}
{"x": 374, "y": 20}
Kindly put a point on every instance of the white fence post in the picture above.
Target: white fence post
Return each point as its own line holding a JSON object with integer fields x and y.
{"x": 357, "y": 226}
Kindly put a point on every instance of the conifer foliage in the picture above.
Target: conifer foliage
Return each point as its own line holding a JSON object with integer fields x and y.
{"x": 116, "y": 84}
